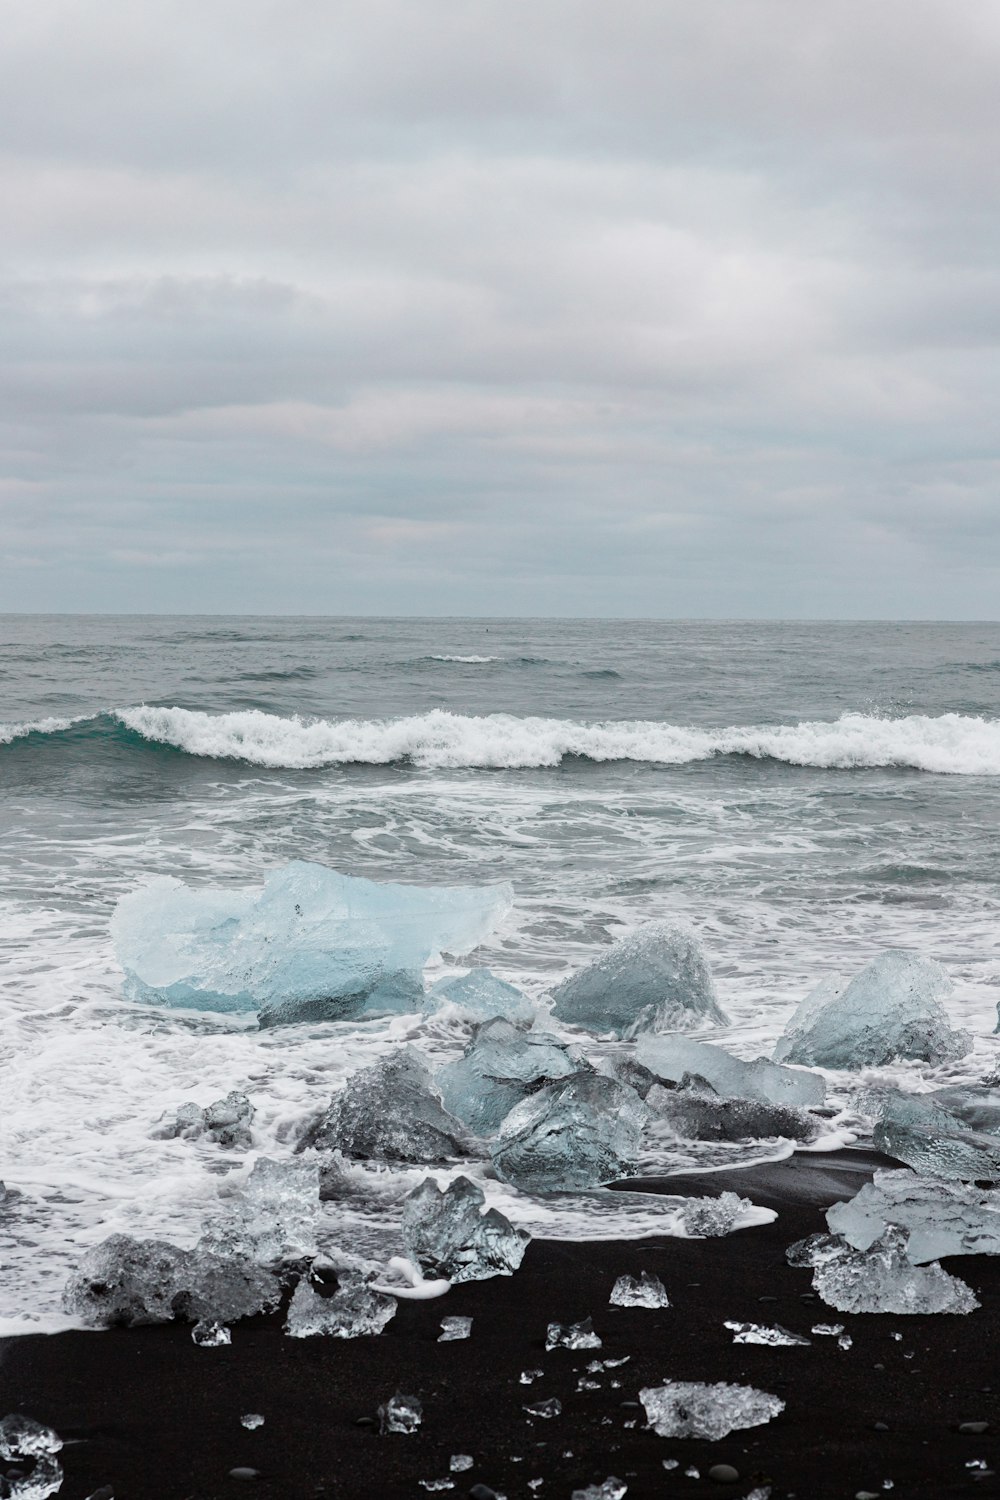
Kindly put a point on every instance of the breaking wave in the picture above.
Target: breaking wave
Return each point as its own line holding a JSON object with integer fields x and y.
{"x": 11, "y": 732}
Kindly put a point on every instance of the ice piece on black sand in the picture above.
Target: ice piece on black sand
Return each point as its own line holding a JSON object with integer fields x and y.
{"x": 23, "y": 1439}
{"x": 502, "y": 1064}
{"x": 695, "y": 1112}
{"x": 670, "y": 1057}
{"x": 647, "y": 1291}
{"x": 929, "y": 1139}
{"x": 892, "y": 1008}
{"x": 400, "y": 1414}
{"x": 311, "y": 945}
{"x": 390, "y": 1112}
{"x": 579, "y": 1133}
{"x": 272, "y": 1219}
{"x": 572, "y": 1335}
{"x": 251, "y": 1420}
{"x": 227, "y": 1121}
{"x": 710, "y": 1218}
{"x": 481, "y": 995}
{"x": 551, "y": 1406}
{"x": 448, "y": 1234}
{"x": 756, "y": 1333}
{"x": 453, "y": 1329}
{"x": 210, "y": 1334}
{"x": 354, "y": 1311}
{"x": 610, "y": 1489}
{"x": 682, "y": 1409}
{"x": 460, "y": 1462}
{"x": 124, "y": 1281}
{"x": 655, "y": 979}
{"x": 881, "y": 1279}
{"x": 941, "y": 1218}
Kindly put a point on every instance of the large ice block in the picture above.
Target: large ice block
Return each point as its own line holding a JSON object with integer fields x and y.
{"x": 941, "y": 1218}
{"x": 127, "y": 1281}
{"x": 655, "y": 979}
{"x": 390, "y": 1112}
{"x": 929, "y": 1139}
{"x": 695, "y": 1112}
{"x": 354, "y": 1311}
{"x": 23, "y": 1440}
{"x": 480, "y": 994}
{"x": 502, "y": 1065}
{"x": 448, "y": 1234}
{"x": 670, "y": 1057}
{"x": 892, "y": 1008}
{"x": 581, "y": 1132}
{"x": 311, "y": 945}
{"x": 881, "y": 1278}
{"x": 691, "y": 1409}
{"x": 272, "y": 1219}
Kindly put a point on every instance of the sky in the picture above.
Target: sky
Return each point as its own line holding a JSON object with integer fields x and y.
{"x": 549, "y": 307}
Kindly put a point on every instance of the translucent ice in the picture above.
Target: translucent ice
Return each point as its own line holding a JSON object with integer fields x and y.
{"x": 891, "y": 1009}
{"x": 551, "y": 1406}
{"x": 227, "y": 1121}
{"x": 755, "y": 1333}
{"x": 628, "y": 1070}
{"x": 251, "y": 1420}
{"x": 311, "y": 945}
{"x": 459, "y": 1462}
{"x": 942, "y": 1218}
{"x": 880, "y": 1279}
{"x": 127, "y": 1281}
{"x": 611, "y": 1489}
{"x": 647, "y": 1291}
{"x": 400, "y": 1414}
{"x": 710, "y": 1218}
{"x": 22, "y": 1438}
{"x": 929, "y": 1139}
{"x": 481, "y": 994}
{"x": 447, "y": 1233}
{"x": 272, "y": 1220}
{"x": 655, "y": 979}
{"x": 670, "y": 1057}
{"x": 354, "y": 1311}
{"x": 209, "y": 1334}
{"x": 502, "y": 1064}
{"x": 578, "y": 1133}
{"x": 977, "y": 1106}
{"x": 682, "y": 1409}
{"x": 454, "y": 1328}
{"x": 572, "y": 1336}
{"x": 390, "y": 1112}
{"x": 696, "y": 1112}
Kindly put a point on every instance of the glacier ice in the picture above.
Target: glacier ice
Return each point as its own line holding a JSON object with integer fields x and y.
{"x": 272, "y": 1220}
{"x": 251, "y": 1420}
{"x": 691, "y": 1409}
{"x": 929, "y": 1139}
{"x": 610, "y": 1489}
{"x": 941, "y": 1218}
{"x": 881, "y": 1278}
{"x": 448, "y": 1233}
{"x": 390, "y": 1112}
{"x": 696, "y": 1112}
{"x": 646, "y": 1291}
{"x": 551, "y": 1406}
{"x": 210, "y": 1334}
{"x": 892, "y": 1008}
{"x": 22, "y": 1438}
{"x": 354, "y": 1310}
{"x": 977, "y": 1106}
{"x": 502, "y": 1064}
{"x": 627, "y": 1070}
{"x": 670, "y": 1057}
{"x": 572, "y": 1336}
{"x": 125, "y": 1281}
{"x": 454, "y": 1328}
{"x": 654, "y": 979}
{"x": 227, "y": 1122}
{"x": 312, "y": 945}
{"x": 482, "y": 995}
{"x": 711, "y": 1218}
{"x": 578, "y": 1133}
{"x": 400, "y": 1414}
{"x": 756, "y": 1333}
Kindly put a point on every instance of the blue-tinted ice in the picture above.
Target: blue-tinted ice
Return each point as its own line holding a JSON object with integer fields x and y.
{"x": 881, "y": 1278}
{"x": 941, "y": 1218}
{"x": 480, "y": 994}
{"x": 448, "y": 1234}
{"x": 579, "y": 1133}
{"x": 695, "y": 1112}
{"x": 670, "y": 1057}
{"x": 916, "y": 1130}
{"x": 502, "y": 1065}
{"x": 390, "y": 1112}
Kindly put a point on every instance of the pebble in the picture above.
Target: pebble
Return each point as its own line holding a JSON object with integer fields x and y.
{"x": 880, "y": 1427}
{"x": 366, "y": 1421}
{"x": 867, "y": 1495}
{"x": 482, "y": 1492}
{"x": 244, "y": 1473}
{"x": 723, "y": 1473}
{"x": 974, "y": 1429}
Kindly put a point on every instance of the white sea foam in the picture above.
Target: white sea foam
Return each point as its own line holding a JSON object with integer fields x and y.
{"x": 471, "y": 660}
{"x": 949, "y": 744}
{"x": 11, "y": 732}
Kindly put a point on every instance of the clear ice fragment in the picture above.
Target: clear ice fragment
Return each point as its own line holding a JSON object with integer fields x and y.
{"x": 572, "y": 1335}
{"x": 124, "y": 1281}
{"x": 710, "y": 1218}
{"x": 670, "y": 1057}
{"x": 655, "y": 979}
{"x": 550, "y": 1407}
{"x": 354, "y": 1311}
{"x": 23, "y": 1438}
{"x": 227, "y": 1122}
{"x": 579, "y": 1133}
{"x": 941, "y": 1218}
{"x": 828, "y": 1330}
{"x": 454, "y": 1328}
{"x": 272, "y": 1219}
{"x": 683, "y": 1409}
{"x": 448, "y": 1234}
{"x": 210, "y": 1334}
{"x": 481, "y": 995}
{"x": 611, "y": 1489}
{"x": 400, "y": 1414}
{"x": 880, "y": 1279}
{"x": 696, "y": 1112}
{"x": 502, "y": 1065}
{"x": 528, "y": 1377}
{"x": 436, "y": 1484}
{"x": 930, "y": 1139}
{"x": 390, "y": 1112}
{"x": 647, "y": 1291}
{"x": 251, "y": 1420}
{"x": 756, "y": 1333}
{"x": 460, "y": 1462}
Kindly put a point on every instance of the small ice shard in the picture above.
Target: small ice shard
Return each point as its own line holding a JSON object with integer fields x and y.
{"x": 695, "y": 1112}
{"x": 448, "y": 1234}
{"x": 586, "y": 1384}
{"x": 312, "y": 945}
{"x": 755, "y": 1333}
{"x": 390, "y": 1112}
{"x": 611, "y": 1489}
{"x": 891, "y": 1009}
{"x": 654, "y": 979}
{"x": 682, "y": 1409}
{"x": 528, "y": 1377}
{"x": 942, "y": 1218}
{"x": 413, "y": 1285}
{"x": 400, "y": 1414}
{"x": 453, "y": 1329}
{"x": 354, "y": 1311}
{"x": 627, "y": 1070}
{"x": 480, "y": 994}
{"x": 251, "y": 1420}
{"x": 460, "y": 1462}
{"x": 210, "y": 1334}
{"x": 647, "y": 1291}
{"x": 710, "y": 1218}
{"x": 227, "y": 1122}
{"x": 572, "y": 1335}
{"x": 550, "y": 1407}
{"x": 930, "y": 1139}
{"x": 670, "y": 1057}
{"x": 502, "y": 1065}
{"x": 828, "y": 1330}
{"x": 124, "y": 1281}
{"x": 579, "y": 1133}
{"x": 22, "y": 1438}
{"x": 433, "y": 1485}
{"x": 272, "y": 1220}
{"x": 881, "y": 1279}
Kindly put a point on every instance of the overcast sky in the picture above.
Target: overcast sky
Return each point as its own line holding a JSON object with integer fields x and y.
{"x": 635, "y": 307}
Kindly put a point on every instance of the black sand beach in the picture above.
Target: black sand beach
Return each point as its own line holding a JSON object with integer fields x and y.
{"x": 151, "y": 1415}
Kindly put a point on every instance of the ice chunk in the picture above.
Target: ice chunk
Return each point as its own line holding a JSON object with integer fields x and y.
{"x": 273, "y": 1220}
{"x": 655, "y": 979}
{"x": 891, "y": 1009}
{"x": 611, "y": 1489}
{"x": 454, "y": 1328}
{"x": 756, "y": 1333}
{"x": 977, "y": 1106}
{"x": 696, "y": 1112}
{"x": 354, "y": 1311}
{"x": 400, "y": 1414}
{"x": 942, "y": 1218}
{"x": 572, "y": 1336}
{"x": 682, "y": 1409}
{"x": 880, "y": 1279}
{"x": 209, "y": 1334}
{"x": 128, "y": 1281}
{"x": 647, "y": 1291}
{"x": 227, "y": 1121}
{"x": 578, "y": 1133}
{"x": 502, "y": 1065}
{"x": 550, "y": 1407}
{"x": 449, "y": 1234}
{"x": 251, "y": 1420}
{"x": 459, "y": 1462}
{"x": 390, "y": 1112}
{"x": 481, "y": 994}
{"x": 670, "y": 1057}
{"x": 930, "y": 1139}
{"x": 626, "y": 1070}
{"x": 711, "y": 1218}
{"x": 311, "y": 945}
{"x": 22, "y": 1438}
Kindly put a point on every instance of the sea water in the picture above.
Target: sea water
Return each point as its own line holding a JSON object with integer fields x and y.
{"x": 803, "y": 795}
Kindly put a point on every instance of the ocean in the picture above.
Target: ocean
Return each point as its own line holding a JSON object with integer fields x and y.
{"x": 804, "y": 794}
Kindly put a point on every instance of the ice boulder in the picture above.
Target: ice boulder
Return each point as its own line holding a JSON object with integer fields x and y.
{"x": 581, "y": 1132}
{"x": 271, "y": 1219}
{"x": 23, "y": 1441}
{"x": 226, "y": 1122}
{"x": 941, "y": 1218}
{"x": 502, "y": 1065}
{"x": 655, "y": 979}
{"x": 448, "y": 1233}
{"x": 695, "y": 1112}
{"x": 892, "y": 1008}
{"x": 690, "y": 1409}
{"x": 670, "y": 1057}
{"x": 881, "y": 1278}
{"x": 390, "y": 1112}
{"x": 312, "y": 945}
{"x": 929, "y": 1139}
{"x": 354, "y": 1311}
{"x": 480, "y": 994}
{"x": 124, "y": 1281}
